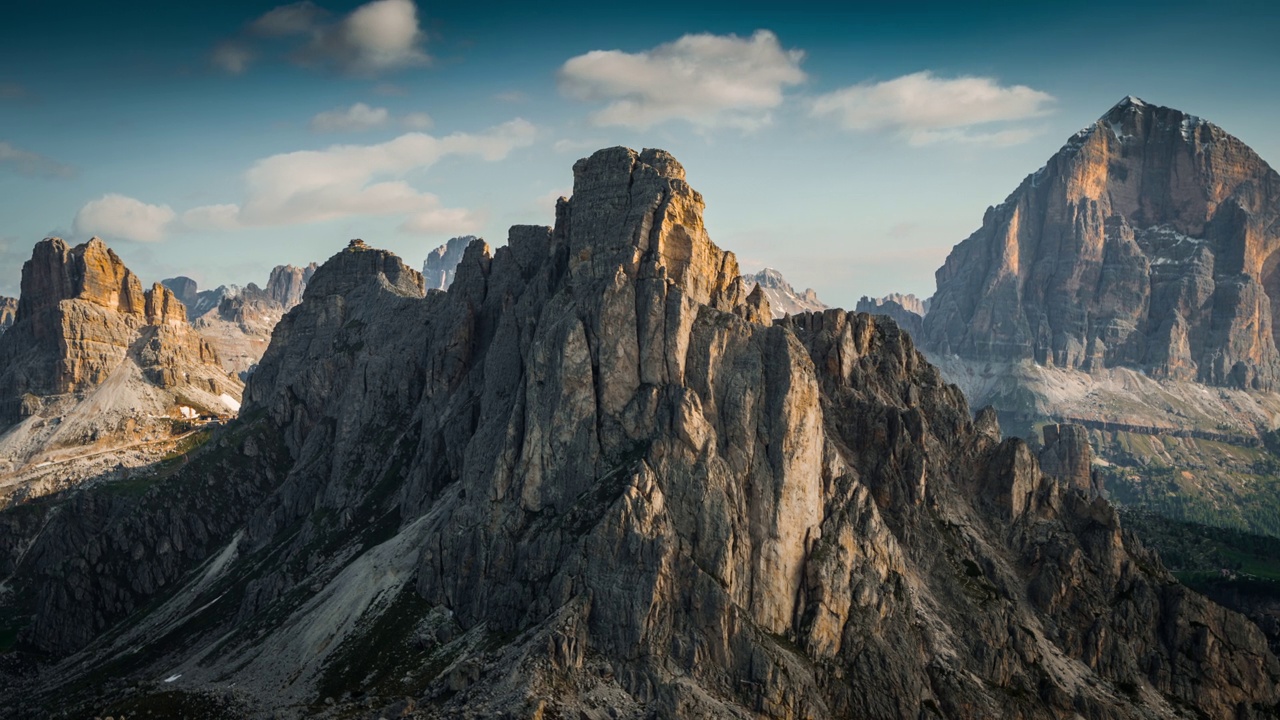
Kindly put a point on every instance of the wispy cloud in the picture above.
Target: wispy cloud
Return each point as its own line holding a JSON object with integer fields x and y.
{"x": 361, "y": 117}
{"x": 377, "y": 37}
{"x": 924, "y": 109}
{"x": 356, "y": 118}
{"x": 352, "y": 180}
{"x": 25, "y": 162}
{"x": 120, "y": 216}
{"x": 706, "y": 80}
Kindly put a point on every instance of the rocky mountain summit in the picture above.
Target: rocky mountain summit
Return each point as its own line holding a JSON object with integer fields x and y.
{"x": 442, "y": 263}
{"x": 1132, "y": 270}
{"x": 783, "y": 299}
{"x": 594, "y": 479}
{"x": 238, "y": 321}
{"x": 907, "y": 310}
{"x": 8, "y": 310}
{"x": 197, "y": 301}
{"x": 93, "y": 360}
{"x": 1150, "y": 240}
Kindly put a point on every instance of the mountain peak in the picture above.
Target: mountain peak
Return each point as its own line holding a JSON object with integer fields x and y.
{"x": 442, "y": 263}
{"x": 1127, "y": 102}
{"x": 635, "y": 210}
{"x": 1159, "y": 197}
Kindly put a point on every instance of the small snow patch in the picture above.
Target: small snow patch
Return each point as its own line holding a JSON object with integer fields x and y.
{"x": 171, "y": 678}
{"x": 188, "y": 413}
{"x": 230, "y": 402}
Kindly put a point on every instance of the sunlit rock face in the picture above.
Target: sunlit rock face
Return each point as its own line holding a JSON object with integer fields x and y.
{"x": 1150, "y": 240}
{"x": 81, "y": 315}
{"x": 8, "y": 309}
{"x": 596, "y": 474}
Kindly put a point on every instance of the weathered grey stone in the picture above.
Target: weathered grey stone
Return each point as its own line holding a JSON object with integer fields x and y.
{"x": 591, "y": 453}
{"x": 1150, "y": 240}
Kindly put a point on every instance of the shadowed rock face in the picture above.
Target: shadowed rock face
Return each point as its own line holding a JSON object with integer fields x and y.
{"x": 1150, "y": 240}
{"x": 599, "y": 474}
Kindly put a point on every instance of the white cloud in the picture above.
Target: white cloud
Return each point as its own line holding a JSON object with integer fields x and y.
{"x": 212, "y": 217}
{"x": 361, "y": 117}
{"x": 707, "y": 80}
{"x": 31, "y": 164}
{"x": 298, "y": 18}
{"x": 353, "y": 119}
{"x": 381, "y": 35}
{"x": 927, "y": 109}
{"x": 345, "y": 180}
{"x": 232, "y": 57}
{"x": 376, "y": 37}
{"x": 1000, "y": 138}
{"x": 442, "y": 221}
{"x": 119, "y": 216}
{"x": 417, "y": 121}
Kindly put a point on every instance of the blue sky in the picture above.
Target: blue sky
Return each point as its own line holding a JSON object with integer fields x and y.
{"x": 850, "y": 148}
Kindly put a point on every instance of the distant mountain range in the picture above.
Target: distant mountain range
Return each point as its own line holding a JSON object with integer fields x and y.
{"x": 595, "y": 478}
{"x": 239, "y": 320}
{"x": 783, "y": 299}
{"x": 98, "y": 374}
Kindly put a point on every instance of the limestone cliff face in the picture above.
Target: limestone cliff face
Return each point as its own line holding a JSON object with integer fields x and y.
{"x": 287, "y": 283}
{"x": 594, "y": 479}
{"x": 907, "y": 311}
{"x": 442, "y": 263}
{"x": 81, "y": 315}
{"x": 783, "y": 299}
{"x": 238, "y": 321}
{"x": 8, "y": 309}
{"x": 1150, "y": 240}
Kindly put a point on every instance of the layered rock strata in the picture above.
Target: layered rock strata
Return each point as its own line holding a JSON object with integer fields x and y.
{"x": 82, "y": 313}
{"x": 594, "y": 479}
{"x": 1151, "y": 240}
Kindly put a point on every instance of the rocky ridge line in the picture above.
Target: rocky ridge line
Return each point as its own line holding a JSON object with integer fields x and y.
{"x": 595, "y": 474}
{"x": 1150, "y": 240}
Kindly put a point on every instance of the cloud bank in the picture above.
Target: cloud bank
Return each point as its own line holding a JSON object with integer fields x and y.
{"x": 926, "y": 109}
{"x": 377, "y": 37}
{"x": 361, "y": 117}
{"x": 351, "y": 180}
{"x": 706, "y": 80}
{"x": 120, "y": 216}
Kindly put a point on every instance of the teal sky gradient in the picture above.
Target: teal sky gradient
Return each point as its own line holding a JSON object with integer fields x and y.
{"x": 125, "y": 100}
